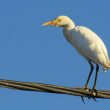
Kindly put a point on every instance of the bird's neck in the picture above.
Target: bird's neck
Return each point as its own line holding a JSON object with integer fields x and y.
{"x": 70, "y": 26}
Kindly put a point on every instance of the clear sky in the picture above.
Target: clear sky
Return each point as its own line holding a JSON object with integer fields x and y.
{"x": 30, "y": 52}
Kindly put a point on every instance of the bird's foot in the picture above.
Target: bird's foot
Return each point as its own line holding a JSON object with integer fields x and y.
{"x": 92, "y": 98}
{"x": 94, "y": 92}
{"x": 86, "y": 88}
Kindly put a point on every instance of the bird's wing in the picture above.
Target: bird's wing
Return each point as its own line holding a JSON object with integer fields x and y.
{"x": 89, "y": 44}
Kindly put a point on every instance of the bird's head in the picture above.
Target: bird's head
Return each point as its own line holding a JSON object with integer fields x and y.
{"x": 60, "y": 21}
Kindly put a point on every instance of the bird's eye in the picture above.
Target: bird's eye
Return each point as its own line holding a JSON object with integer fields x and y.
{"x": 58, "y": 20}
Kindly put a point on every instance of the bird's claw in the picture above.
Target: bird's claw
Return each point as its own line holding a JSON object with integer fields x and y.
{"x": 87, "y": 89}
{"x": 93, "y": 93}
{"x": 88, "y": 99}
{"x": 92, "y": 98}
{"x": 83, "y": 99}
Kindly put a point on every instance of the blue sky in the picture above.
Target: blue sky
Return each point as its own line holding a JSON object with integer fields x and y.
{"x": 30, "y": 52}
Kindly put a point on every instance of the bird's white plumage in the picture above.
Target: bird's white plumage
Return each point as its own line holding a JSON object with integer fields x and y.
{"x": 88, "y": 44}
{"x": 84, "y": 40}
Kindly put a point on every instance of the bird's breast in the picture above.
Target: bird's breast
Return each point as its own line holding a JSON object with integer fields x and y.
{"x": 80, "y": 41}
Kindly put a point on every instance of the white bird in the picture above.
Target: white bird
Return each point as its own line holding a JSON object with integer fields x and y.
{"x": 86, "y": 42}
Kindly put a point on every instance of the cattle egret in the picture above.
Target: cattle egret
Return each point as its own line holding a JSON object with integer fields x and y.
{"x": 86, "y": 42}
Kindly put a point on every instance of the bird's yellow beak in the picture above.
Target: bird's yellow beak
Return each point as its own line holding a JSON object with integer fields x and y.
{"x": 51, "y": 23}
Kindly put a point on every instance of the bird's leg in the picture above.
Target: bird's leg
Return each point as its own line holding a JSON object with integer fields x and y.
{"x": 87, "y": 82}
{"x": 90, "y": 73}
{"x": 94, "y": 86}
